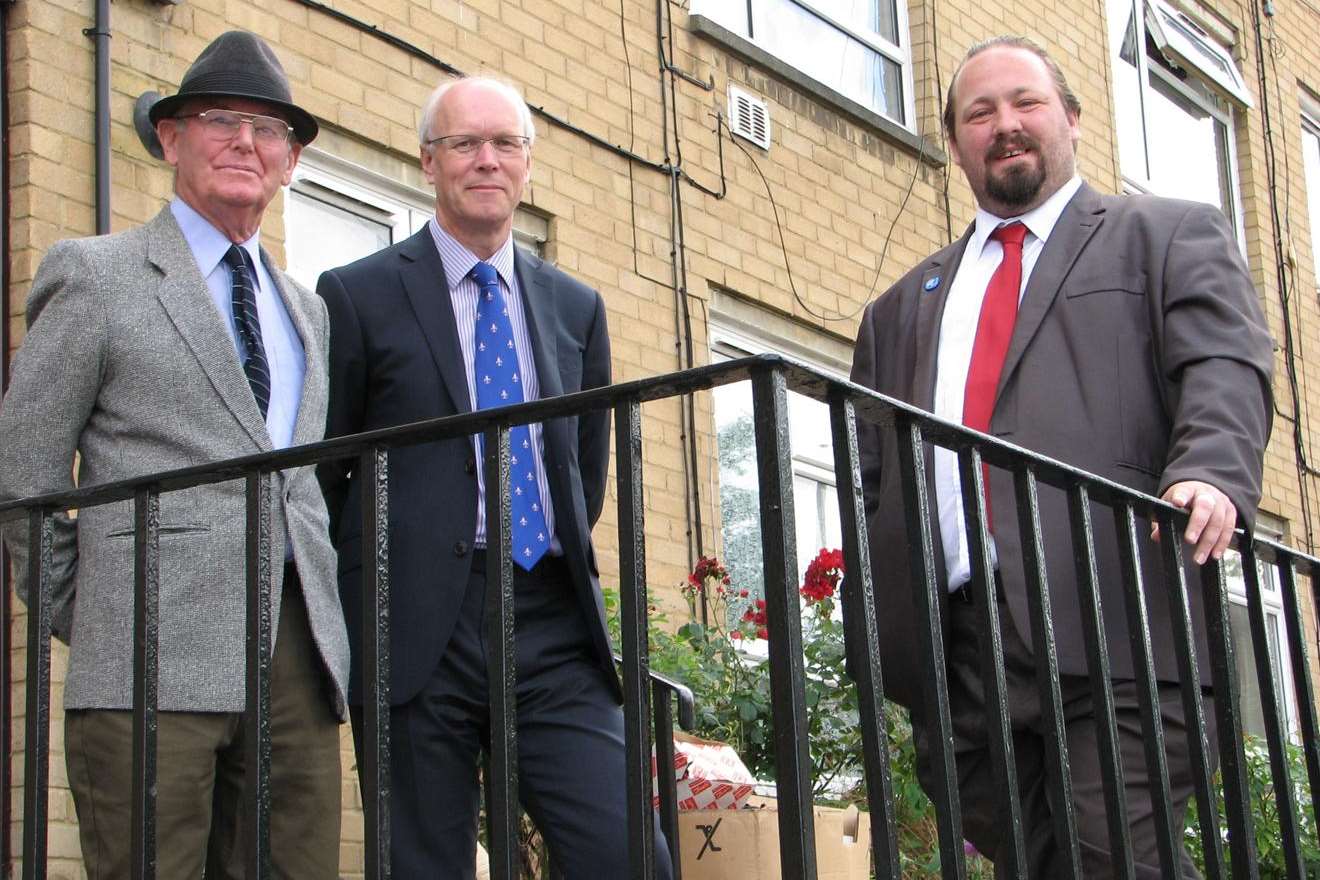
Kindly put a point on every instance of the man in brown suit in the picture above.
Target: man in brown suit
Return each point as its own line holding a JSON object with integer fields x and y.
{"x": 1128, "y": 340}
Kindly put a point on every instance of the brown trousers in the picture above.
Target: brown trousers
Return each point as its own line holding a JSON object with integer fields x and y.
{"x": 200, "y": 770}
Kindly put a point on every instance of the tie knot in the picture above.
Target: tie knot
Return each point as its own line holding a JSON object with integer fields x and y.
{"x": 484, "y": 274}
{"x": 235, "y": 258}
{"x": 1010, "y": 233}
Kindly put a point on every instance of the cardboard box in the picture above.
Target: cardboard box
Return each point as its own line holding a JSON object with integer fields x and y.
{"x": 710, "y": 775}
{"x": 744, "y": 844}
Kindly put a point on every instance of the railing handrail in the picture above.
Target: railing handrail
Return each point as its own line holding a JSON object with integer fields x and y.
{"x": 800, "y": 378}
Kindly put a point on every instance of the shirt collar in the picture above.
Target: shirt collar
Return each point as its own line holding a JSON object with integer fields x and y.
{"x": 1040, "y": 220}
{"x": 208, "y": 244}
{"x": 458, "y": 260}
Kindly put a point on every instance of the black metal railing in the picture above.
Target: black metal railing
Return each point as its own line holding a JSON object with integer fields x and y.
{"x": 647, "y": 705}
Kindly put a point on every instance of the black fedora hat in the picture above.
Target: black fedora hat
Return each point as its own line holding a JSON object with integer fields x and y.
{"x": 238, "y": 64}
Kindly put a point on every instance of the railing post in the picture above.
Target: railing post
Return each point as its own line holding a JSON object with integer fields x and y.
{"x": 502, "y": 767}
{"x": 971, "y": 472}
{"x": 1273, "y": 715}
{"x": 863, "y": 638}
{"x": 1303, "y": 687}
{"x": 36, "y": 763}
{"x": 146, "y": 644}
{"x": 797, "y": 837}
{"x": 666, "y": 785}
{"x": 256, "y": 720}
{"x": 1143, "y": 673}
{"x": 1039, "y": 609}
{"x": 930, "y": 626}
{"x": 1097, "y": 664}
{"x": 1180, "y": 615}
{"x": 633, "y": 623}
{"x": 1228, "y": 715}
{"x": 374, "y": 466}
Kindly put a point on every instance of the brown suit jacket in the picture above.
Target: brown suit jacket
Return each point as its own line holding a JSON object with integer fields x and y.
{"x": 1140, "y": 354}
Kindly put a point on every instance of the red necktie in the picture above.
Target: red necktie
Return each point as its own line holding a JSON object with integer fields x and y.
{"x": 994, "y": 329}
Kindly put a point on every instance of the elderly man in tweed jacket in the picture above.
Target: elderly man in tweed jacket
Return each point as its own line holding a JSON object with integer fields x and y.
{"x": 175, "y": 344}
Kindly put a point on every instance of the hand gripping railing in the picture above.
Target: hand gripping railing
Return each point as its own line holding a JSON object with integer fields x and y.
{"x": 771, "y": 377}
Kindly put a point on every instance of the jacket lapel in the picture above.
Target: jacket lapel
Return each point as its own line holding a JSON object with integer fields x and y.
{"x": 305, "y": 428}
{"x": 935, "y": 281}
{"x": 183, "y": 294}
{"x": 421, "y": 268}
{"x": 1076, "y": 225}
{"x": 542, "y": 320}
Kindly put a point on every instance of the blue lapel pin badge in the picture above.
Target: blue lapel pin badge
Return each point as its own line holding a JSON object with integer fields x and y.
{"x": 931, "y": 283}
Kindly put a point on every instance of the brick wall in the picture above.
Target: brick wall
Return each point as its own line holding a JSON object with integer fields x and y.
{"x": 838, "y": 185}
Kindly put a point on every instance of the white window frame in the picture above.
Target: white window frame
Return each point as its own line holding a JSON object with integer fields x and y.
{"x": 729, "y": 341}
{"x": 1311, "y": 130}
{"x": 899, "y": 53}
{"x": 1186, "y": 44}
{"x": 1272, "y": 604}
{"x": 325, "y": 177}
{"x": 322, "y": 175}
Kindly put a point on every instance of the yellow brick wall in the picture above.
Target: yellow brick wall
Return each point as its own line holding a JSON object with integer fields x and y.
{"x": 838, "y": 185}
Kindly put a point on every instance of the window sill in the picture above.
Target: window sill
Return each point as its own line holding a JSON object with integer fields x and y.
{"x": 924, "y": 148}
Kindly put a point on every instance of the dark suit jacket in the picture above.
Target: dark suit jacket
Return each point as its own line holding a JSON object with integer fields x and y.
{"x": 1139, "y": 354}
{"x": 395, "y": 359}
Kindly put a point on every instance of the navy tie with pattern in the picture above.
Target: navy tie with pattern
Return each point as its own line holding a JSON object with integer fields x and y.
{"x": 249, "y": 327}
{"x": 495, "y": 358}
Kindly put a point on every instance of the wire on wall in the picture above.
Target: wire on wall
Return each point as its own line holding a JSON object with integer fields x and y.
{"x": 1291, "y": 343}
{"x": 783, "y": 247}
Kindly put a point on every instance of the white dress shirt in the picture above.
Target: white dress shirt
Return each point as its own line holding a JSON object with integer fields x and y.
{"x": 463, "y": 295}
{"x": 962, "y": 312}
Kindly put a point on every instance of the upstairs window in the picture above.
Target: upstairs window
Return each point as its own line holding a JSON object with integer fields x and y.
{"x": 1176, "y": 90}
{"x": 858, "y": 48}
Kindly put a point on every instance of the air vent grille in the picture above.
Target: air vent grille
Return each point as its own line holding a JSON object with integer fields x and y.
{"x": 749, "y": 117}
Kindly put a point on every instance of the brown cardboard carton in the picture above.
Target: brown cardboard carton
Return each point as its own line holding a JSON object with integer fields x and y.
{"x": 744, "y": 844}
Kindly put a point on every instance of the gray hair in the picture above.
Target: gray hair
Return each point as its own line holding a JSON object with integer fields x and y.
{"x": 507, "y": 89}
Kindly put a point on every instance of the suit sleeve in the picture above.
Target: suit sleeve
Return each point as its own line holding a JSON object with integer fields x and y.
{"x": 1217, "y": 359}
{"x": 594, "y": 427}
{"x": 345, "y": 408}
{"x": 56, "y": 379}
{"x": 868, "y": 434}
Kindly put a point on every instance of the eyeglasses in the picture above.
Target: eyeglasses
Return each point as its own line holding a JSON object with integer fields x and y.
{"x": 467, "y": 144}
{"x": 223, "y": 125}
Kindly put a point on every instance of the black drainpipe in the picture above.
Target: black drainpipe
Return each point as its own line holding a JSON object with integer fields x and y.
{"x": 100, "y": 34}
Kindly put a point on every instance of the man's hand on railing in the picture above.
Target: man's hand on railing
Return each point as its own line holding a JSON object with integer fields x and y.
{"x": 1212, "y": 520}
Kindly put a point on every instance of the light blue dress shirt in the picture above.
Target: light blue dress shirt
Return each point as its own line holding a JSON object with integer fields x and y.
{"x": 284, "y": 349}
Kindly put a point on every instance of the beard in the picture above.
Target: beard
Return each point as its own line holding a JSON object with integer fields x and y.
{"x": 1019, "y": 186}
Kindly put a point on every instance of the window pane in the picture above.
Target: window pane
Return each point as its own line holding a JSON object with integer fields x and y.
{"x": 1311, "y": 149}
{"x": 815, "y": 500}
{"x": 877, "y": 16}
{"x": 732, "y": 14}
{"x": 1127, "y": 100}
{"x": 322, "y": 236}
{"x": 1253, "y": 710}
{"x": 829, "y": 55}
{"x": 1187, "y": 147}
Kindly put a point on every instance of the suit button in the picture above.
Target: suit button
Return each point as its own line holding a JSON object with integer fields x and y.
{"x": 460, "y": 548}
{"x": 470, "y": 466}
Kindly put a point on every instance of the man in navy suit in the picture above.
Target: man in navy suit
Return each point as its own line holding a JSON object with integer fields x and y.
{"x": 455, "y": 319}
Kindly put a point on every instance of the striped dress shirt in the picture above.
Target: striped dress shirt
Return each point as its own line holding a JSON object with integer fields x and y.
{"x": 463, "y": 296}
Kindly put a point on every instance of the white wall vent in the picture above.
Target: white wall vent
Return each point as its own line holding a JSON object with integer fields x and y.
{"x": 749, "y": 117}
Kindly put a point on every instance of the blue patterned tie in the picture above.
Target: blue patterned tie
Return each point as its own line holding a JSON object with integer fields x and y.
{"x": 496, "y": 372}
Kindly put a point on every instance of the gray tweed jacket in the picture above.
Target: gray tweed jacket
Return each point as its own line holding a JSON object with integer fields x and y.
{"x": 128, "y": 363}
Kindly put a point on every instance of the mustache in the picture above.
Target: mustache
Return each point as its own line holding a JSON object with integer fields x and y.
{"x": 1008, "y": 143}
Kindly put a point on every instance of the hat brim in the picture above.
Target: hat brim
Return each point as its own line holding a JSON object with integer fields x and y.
{"x": 304, "y": 124}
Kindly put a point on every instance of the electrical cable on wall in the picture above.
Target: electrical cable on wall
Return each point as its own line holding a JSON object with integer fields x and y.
{"x": 783, "y": 247}
{"x": 1291, "y": 344}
